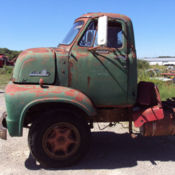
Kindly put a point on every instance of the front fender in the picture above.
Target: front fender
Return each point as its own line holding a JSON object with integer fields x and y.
{"x": 19, "y": 98}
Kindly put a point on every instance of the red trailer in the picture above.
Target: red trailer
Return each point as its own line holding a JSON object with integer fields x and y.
{"x": 168, "y": 74}
{"x": 5, "y": 61}
{"x": 1, "y": 60}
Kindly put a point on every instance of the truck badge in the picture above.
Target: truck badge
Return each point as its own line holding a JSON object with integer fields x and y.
{"x": 42, "y": 73}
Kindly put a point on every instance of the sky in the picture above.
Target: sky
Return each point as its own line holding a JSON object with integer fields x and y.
{"x": 44, "y": 23}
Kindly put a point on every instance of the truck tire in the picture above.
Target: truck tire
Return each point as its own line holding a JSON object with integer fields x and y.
{"x": 59, "y": 141}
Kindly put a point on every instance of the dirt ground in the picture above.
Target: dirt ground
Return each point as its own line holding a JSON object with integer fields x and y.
{"x": 112, "y": 152}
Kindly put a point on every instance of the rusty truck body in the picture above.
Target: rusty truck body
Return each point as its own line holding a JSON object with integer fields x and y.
{"x": 58, "y": 93}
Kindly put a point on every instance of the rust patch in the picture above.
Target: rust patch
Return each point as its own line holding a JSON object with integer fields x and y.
{"x": 134, "y": 54}
{"x": 112, "y": 115}
{"x": 38, "y": 50}
{"x": 70, "y": 93}
{"x": 160, "y": 127}
{"x": 70, "y": 73}
{"x": 31, "y": 52}
{"x": 23, "y": 54}
{"x": 37, "y": 91}
{"x": 40, "y": 93}
{"x": 89, "y": 79}
{"x": 112, "y": 15}
{"x": 12, "y": 89}
{"x": 29, "y": 60}
{"x": 80, "y": 55}
{"x": 79, "y": 97}
{"x": 58, "y": 50}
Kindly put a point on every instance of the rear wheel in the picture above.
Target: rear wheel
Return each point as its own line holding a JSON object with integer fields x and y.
{"x": 58, "y": 141}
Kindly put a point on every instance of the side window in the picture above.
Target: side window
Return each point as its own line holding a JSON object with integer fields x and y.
{"x": 89, "y": 36}
{"x": 115, "y": 35}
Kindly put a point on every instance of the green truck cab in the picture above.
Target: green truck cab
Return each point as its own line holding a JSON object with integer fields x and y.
{"x": 58, "y": 93}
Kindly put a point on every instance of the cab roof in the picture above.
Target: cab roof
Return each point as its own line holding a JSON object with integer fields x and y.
{"x": 112, "y": 15}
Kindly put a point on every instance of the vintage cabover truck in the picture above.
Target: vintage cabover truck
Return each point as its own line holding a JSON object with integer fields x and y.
{"x": 58, "y": 93}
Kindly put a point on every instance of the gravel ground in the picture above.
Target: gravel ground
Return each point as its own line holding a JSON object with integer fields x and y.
{"x": 112, "y": 152}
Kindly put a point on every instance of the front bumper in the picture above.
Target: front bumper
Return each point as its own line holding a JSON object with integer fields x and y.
{"x": 3, "y": 130}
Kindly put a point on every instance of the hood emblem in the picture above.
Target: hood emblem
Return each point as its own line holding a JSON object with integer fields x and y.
{"x": 42, "y": 73}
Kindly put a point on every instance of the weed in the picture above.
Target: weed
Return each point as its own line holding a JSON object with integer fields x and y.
{"x": 5, "y": 75}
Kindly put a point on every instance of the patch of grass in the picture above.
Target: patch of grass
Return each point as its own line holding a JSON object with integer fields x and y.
{"x": 167, "y": 90}
{"x": 5, "y": 75}
{"x": 6, "y": 70}
{"x": 161, "y": 68}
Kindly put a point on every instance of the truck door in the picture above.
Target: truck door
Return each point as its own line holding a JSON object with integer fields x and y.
{"x": 101, "y": 73}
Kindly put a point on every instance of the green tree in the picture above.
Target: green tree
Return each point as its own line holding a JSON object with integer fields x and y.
{"x": 9, "y": 53}
{"x": 142, "y": 64}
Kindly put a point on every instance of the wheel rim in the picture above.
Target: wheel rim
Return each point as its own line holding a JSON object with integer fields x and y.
{"x": 61, "y": 140}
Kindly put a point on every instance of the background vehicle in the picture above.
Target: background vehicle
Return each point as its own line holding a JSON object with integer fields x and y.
{"x": 2, "y": 60}
{"x": 5, "y": 61}
{"x": 91, "y": 77}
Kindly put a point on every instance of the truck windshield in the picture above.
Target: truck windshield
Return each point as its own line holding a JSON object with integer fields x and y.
{"x": 72, "y": 33}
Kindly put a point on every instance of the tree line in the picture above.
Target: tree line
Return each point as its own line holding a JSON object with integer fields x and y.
{"x": 9, "y": 53}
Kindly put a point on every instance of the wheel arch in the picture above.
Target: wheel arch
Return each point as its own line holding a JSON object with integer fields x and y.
{"x": 30, "y": 111}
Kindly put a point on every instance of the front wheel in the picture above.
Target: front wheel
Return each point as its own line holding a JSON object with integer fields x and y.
{"x": 58, "y": 141}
